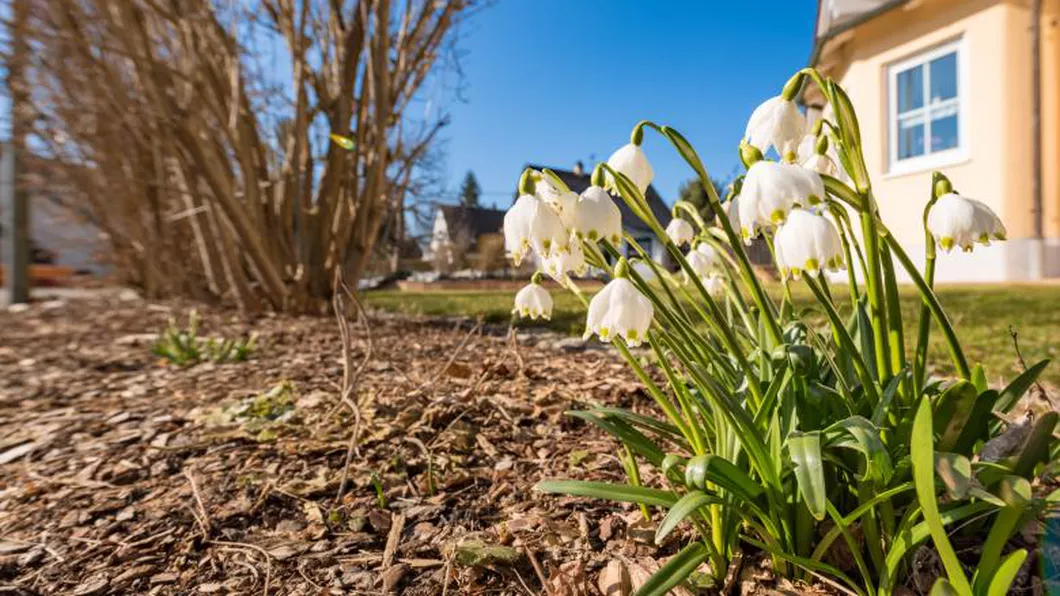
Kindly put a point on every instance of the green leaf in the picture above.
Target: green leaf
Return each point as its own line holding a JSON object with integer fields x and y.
{"x": 952, "y": 410}
{"x": 342, "y": 141}
{"x": 1036, "y": 448}
{"x": 977, "y": 426}
{"x": 1006, "y": 573}
{"x": 866, "y": 439}
{"x": 1015, "y": 390}
{"x": 688, "y": 505}
{"x": 675, "y": 571}
{"x": 660, "y": 427}
{"x": 630, "y": 437}
{"x": 613, "y": 492}
{"x": 720, "y": 471}
{"x": 1015, "y": 491}
{"x": 809, "y": 564}
{"x": 955, "y": 471}
{"x": 979, "y": 379}
{"x": 805, "y": 450}
{"x": 923, "y": 458}
{"x": 942, "y": 587}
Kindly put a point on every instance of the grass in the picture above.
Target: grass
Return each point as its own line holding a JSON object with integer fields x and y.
{"x": 982, "y": 316}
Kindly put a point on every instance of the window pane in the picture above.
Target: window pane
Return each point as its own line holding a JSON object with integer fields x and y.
{"x": 910, "y": 138}
{"x": 943, "y": 133}
{"x": 943, "y": 77}
{"x": 910, "y": 89}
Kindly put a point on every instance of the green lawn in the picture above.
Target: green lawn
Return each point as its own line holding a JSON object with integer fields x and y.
{"x": 982, "y": 316}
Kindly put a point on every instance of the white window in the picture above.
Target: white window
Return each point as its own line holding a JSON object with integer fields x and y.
{"x": 926, "y": 111}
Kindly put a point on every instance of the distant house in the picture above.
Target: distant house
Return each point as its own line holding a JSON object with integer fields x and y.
{"x": 473, "y": 237}
{"x": 951, "y": 85}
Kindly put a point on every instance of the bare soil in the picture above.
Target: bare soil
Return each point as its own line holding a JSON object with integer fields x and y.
{"x": 123, "y": 474}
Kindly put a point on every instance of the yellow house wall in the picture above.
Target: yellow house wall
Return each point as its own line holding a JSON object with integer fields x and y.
{"x": 996, "y": 103}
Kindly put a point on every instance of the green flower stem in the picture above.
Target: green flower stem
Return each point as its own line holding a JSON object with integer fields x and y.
{"x": 846, "y": 343}
{"x": 699, "y": 445}
{"x": 789, "y": 303}
{"x": 633, "y": 473}
{"x": 691, "y": 211}
{"x": 754, "y": 285}
{"x": 924, "y": 325}
{"x": 877, "y": 298}
{"x": 852, "y": 282}
{"x": 895, "y": 331}
{"x": 956, "y": 353}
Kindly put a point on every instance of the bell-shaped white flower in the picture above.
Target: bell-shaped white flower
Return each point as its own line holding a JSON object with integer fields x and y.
{"x": 532, "y": 223}
{"x": 702, "y": 260}
{"x": 807, "y": 242}
{"x": 631, "y": 161}
{"x": 822, "y": 164}
{"x": 955, "y": 220}
{"x": 714, "y": 284}
{"x": 560, "y": 263}
{"x": 775, "y": 123}
{"x": 680, "y": 231}
{"x": 619, "y": 310}
{"x": 771, "y": 190}
{"x": 597, "y": 217}
{"x": 732, "y": 211}
{"x": 533, "y": 301}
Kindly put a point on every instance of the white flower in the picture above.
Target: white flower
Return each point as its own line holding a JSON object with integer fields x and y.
{"x": 732, "y": 210}
{"x": 807, "y": 242}
{"x": 955, "y": 220}
{"x": 564, "y": 204}
{"x": 807, "y": 147}
{"x": 776, "y": 122}
{"x": 619, "y": 309}
{"x": 771, "y": 190}
{"x": 680, "y": 231}
{"x": 558, "y": 264}
{"x": 597, "y": 217}
{"x": 631, "y": 161}
{"x": 714, "y": 284}
{"x": 822, "y": 164}
{"x": 702, "y": 260}
{"x": 517, "y": 227}
{"x": 533, "y": 301}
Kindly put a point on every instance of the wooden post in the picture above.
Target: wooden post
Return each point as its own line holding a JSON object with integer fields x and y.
{"x": 1037, "y": 267}
{"x": 16, "y": 228}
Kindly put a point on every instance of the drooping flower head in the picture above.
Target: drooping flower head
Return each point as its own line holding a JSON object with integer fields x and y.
{"x": 775, "y": 123}
{"x": 533, "y": 301}
{"x": 714, "y": 284}
{"x": 517, "y": 227}
{"x": 680, "y": 231}
{"x": 702, "y": 260}
{"x": 771, "y": 190}
{"x": 597, "y": 217}
{"x": 807, "y": 242}
{"x": 955, "y": 220}
{"x": 572, "y": 261}
{"x": 532, "y": 223}
{"x": 631, "y": 160}
{"x": 619, "y": 310}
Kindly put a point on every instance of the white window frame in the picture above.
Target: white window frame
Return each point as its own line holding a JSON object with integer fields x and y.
{"x": 945, "y": 157}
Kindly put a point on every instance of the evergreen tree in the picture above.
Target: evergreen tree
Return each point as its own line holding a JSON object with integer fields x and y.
{"x": 693, "y": 192}
{"x": 470, "y": 190}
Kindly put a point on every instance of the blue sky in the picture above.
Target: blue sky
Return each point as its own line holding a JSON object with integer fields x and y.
{"x": 555, "y": 81}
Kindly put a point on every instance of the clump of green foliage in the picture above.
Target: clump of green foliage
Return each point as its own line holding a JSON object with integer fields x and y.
{"x": 184, "y": 347}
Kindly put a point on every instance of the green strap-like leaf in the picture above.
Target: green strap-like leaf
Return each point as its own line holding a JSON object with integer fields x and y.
{"x": 713, "y": 468}
{"x": 1015, "y": 390}
{"x": 805, "y": 563}
{"x": 687, "y": 505}
{"x": 866, "y": 439}
{"x": 978, "y": 422}
{"x": 955, "y": 472}
{"x": 1006, "y": 573}
{"x": 613, "y": 492}
{"x": 675, "y": 571}
{"x": 952, "y": 410}
{"x": 942, "y": 587}
{"x": 1036, "y": 449}
{"x": 663, "y": 428}
{"x": 805, "y": 451}
{"x": 923, "y": 458}
{"x": 1015, "y": 491}
{"x": 631, "y": 437}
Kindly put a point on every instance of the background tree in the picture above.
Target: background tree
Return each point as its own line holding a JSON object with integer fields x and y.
{"x": 209, "y": 170}
{"x": 693, "y": 192}
{"x": 470, "y": 190}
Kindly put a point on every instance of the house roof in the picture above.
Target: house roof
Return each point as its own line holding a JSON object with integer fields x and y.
{"x": 579, "y": 182}
{"x": 476, "y": 221}
{"x": 836, "y": 16}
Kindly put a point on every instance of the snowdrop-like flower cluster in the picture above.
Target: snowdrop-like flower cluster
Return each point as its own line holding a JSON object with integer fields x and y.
{"x": 533, "y": 301}
{"x": 619, "y": 310}
{"x": 955, "y": 220}
{"x": 771, "y": 190}
{"x": 807, "y": 242}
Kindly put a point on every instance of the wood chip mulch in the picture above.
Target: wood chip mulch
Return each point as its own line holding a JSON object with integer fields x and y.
{"x": 122, "y": 474}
